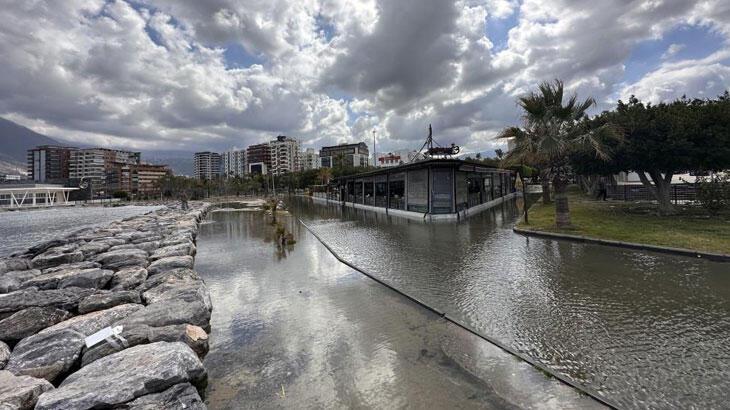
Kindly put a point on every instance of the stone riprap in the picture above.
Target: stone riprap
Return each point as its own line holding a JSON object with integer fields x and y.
{"x": 136, "y": 274}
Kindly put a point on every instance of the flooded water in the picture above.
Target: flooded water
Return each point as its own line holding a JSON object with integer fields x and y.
{"x": 298, "y": 329}
{"x": 646, "y": 330}
{"x": 22, "y": 229}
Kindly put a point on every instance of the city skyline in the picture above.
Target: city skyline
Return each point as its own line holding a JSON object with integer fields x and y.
{"x": 154, "y": 74}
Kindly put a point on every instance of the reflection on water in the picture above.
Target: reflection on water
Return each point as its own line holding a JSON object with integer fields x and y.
{"x": 645, "y": 329}
{"x": 298, "y": 329}
{"x": 22, "y": 229}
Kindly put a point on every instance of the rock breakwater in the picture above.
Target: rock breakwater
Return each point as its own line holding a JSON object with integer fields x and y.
{"x": 133, "y": 279}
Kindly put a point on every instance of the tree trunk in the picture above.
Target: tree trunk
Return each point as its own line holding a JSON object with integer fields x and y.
{"x": 661, "y": 189}
{"x": 545, "y": 182}
{"x": 562, "y": 211}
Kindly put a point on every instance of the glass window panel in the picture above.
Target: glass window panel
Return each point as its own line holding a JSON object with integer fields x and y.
{"x": 442, "y": 191}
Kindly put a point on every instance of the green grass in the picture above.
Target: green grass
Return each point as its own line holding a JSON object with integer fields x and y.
{"x": 632, "y": 222}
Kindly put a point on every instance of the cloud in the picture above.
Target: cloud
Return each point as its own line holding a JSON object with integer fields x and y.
{"x": 155, "y": 74}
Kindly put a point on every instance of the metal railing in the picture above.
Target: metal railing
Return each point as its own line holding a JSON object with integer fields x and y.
{"x": 678, "y": 193}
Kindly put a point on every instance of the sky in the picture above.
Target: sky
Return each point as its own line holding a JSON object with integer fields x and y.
{"x": 223, "y": 74}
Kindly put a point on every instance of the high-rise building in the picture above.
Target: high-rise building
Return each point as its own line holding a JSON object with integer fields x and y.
{"x": 258, "y": 159}
{"x": 349, "y": 155}
{"x": 234, "y": 163}
{"x": 207, "y": 165}
{"x": 285, "y": 155}
{"x": 92, "y": 165}
{"x": 310, "y": 159}
{"x": 49, "y": 164}
{"x": 136, "y": 179}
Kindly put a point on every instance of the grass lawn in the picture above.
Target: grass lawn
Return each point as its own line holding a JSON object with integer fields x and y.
{"x": 637, "y": 222}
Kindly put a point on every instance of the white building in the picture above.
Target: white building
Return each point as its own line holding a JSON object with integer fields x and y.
{"x": 395, "y": 158}
{"x": 285, "y": 155}
{"x": 234, "y": 163}
{"x": 92, "y": 164}
{"x": 310, "y": 159}
{"x": 207, "y": 165}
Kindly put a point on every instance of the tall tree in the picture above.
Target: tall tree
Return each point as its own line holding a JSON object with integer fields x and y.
{"x": 552, "y": 131}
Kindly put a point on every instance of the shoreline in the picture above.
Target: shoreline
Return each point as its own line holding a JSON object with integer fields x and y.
{"x": 133, "y": 280}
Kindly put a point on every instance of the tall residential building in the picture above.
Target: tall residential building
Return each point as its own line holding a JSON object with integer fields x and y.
{"x": 310, "y": 159}
{"x": 394, "y": 158}
{"x": 49, "y": 163}
{"x": 234, "y": 163}
{"x": 207, "y": 165}
{"x": 349, "y": 155}
{"x": 92, "y": 165}
{"x": 285, "y": 155}
{"x": 136, "y": 179}
{"x": 258, "y": 159}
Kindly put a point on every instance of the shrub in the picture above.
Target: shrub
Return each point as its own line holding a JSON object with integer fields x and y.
{"x": 713, "y": 192}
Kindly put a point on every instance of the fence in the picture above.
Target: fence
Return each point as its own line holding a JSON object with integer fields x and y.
{"x": 678, "y": 193}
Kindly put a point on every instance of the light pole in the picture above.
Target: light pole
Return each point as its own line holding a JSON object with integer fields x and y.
{"x": 375, "y": 159}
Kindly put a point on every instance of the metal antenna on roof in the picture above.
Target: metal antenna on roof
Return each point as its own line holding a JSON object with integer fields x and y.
{"x": 437, "y": 150}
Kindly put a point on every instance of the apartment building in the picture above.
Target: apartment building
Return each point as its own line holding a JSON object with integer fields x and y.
{"x": 93, "y": 164}
{"x": 49, "y": 164}
{"x": 207, "y": 165}
{"x": 285, "y": 155}
{"x": 348, "y": 155}
{"x": 258, "y": 159}
{"x": 234, "y": 163}
{"x": 310, "y": 159}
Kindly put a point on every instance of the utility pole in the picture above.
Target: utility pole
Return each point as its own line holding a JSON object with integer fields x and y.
{"x": 375, "y": 159}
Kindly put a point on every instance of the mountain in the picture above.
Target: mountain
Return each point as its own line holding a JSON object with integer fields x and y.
{"x": 181, "y": 162}
{"x": 16, "y": 140}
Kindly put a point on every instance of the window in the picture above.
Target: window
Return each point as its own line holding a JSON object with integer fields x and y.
{"x": 369, "y": 192}
{"x": 381, "y": 191}
{"x": 358, "y": 191}
{"x": 442, "y": 189}
{"x": 397, "y": 190}
{"x": 418, "y": 190}
{"x": 461, "y": 191}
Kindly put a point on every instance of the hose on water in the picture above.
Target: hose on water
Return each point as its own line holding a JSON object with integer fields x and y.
{"x": 583, "y": 389}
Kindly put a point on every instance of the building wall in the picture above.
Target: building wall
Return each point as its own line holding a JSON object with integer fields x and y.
{"x": 234, "y": 163}
{"x": 395, "y": 158}
{"x": 352, "y": 155}
{"x": 49, "y": 164}
{"x": 285, "y": 155}
{"x": 259, "y": 153}
{"x": 207, "y": 165}
{"x": 310, "y": 159}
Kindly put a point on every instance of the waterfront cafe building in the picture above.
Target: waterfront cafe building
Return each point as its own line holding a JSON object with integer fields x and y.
{"x": 430, "y": 190}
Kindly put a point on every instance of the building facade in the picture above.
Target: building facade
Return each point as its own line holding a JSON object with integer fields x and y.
{"x": 310, "y": 159}
{"x": 49, "y": 164}
{"x": 258, "y": 159}
{"x": 92, "y": 165}
{"x": 234, "y": 163}
{"x": 285, "y": 155}
{"x": 395, "y": 158}
{"x": 207, "y": 165}
{"x": 348, "y": 155}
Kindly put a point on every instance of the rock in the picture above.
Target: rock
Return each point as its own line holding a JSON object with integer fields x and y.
{"x": 122, "y": 258}
{"x": 145, "y": 246}
{"x": 85, "y": 278}
{"x": 57, "y": 256}
{"x": 20, "y": 392}
{"x": 43, "y": 247}
{"x": 171, "y": 276}
{"x": 30, "y": 321}
{"x": 46, "y": 355}
{"x": 171, "y": 312}
{"x": 128, "y": 278}
{"x": 188, "y": 291}
{"x": 182, "y": 249}
{"x": 93, "y": 322}
{"x": 177, "y": 239}
{"x": 4, "y": 354}
{"x": 66, "y": 299}
{"x": 172, "y": 262}
{"x": 94, "y": 247}
{"x": 13, "y": 264}
{"x": 194, "y": 336}
{"x": 106, "y": 300}
{"x": 12, "y": 281}
{"x": 134, "y": 372}
{"x": 139, "y": 237}
{"x": 73, "y": 266}
{"x": 179, "y": 396}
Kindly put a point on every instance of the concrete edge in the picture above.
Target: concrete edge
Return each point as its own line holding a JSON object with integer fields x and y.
{"x": 719, "y": 257}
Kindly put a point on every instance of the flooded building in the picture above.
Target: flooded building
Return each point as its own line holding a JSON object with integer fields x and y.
{"x": 431, "y": 190}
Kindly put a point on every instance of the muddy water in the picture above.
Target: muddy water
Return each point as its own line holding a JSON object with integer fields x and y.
{"x": 298, "y": 329}
{"x": 644, "y": 329}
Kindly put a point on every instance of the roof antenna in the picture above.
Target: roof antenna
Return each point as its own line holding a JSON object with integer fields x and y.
{"x": 437, "y": 151}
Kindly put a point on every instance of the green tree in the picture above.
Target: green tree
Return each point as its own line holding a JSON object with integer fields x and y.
{"x": 552, "y": 131}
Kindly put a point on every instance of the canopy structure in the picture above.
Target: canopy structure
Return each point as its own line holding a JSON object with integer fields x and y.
{"x": 29, "y": 196}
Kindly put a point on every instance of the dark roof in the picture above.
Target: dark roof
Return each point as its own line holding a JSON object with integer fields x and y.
{"x": 419, "y": 164}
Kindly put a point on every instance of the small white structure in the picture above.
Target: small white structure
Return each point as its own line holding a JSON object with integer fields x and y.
{"x": 29, "y": 196}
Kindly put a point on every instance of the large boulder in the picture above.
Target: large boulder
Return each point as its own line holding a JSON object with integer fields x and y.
{"x": 29, "y": 321}
{"x": 193, "y": 336}
{"x": 11, "y": 264}
{"x": 4, "y": 354}
{"x": 171, "y": 312}
{"x": 73, "y": 266}
{"x": 13, "y": 280}
{"x": 20, "y": 392}
{"x": 186, "y": 248}
{"x": 105, "y": 300}
{"x": 188, "y": 291}
{"x": 169, "y": 263}
{"x": 93, "y": 322}
{"x": 66, "y": 299}
{"x": 85, "y": 278}
{"x": 122, "y": 258}
{"x": 46, "y": 355}
{"x": 98, "y": 246}
{"x": 179, "y": 396}
{"x": 134, "y": 372}
{"x": 171, "y": 276}
{"x": 128, "y": 278}
{"x": 58, "y": 256}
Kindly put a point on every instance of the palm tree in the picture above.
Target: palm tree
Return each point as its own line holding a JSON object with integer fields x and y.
{"x": 552, "y": 131}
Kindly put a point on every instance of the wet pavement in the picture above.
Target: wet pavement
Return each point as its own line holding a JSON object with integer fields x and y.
{"x": 298, "y": 329}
